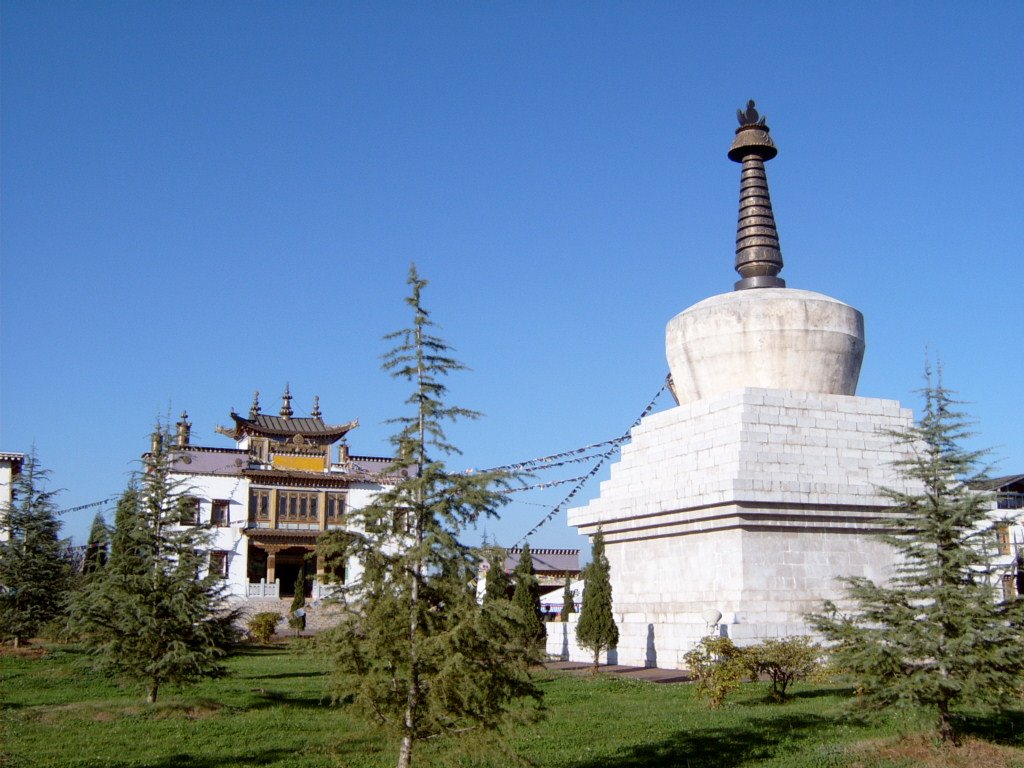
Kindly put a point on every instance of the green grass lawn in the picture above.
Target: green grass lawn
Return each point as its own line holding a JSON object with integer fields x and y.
{"x": 272, "y": 711}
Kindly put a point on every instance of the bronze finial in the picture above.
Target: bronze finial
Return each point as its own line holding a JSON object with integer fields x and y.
{"x": 758, "y": 256}
{"x": 286, "y": 403}
{"x": 254, "y": 409}
{"x": 316, "y": 408}
{"x": 749, "y": 117}
{"x": 184, "y": 430}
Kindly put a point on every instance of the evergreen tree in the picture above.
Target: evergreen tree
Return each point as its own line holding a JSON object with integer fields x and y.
{"x": 596, "y": 630}
{"x": 35, "y": 577}
{"x": 568, "y": 604}
{"x": 934, "y": 635}
{"x": 416, "y": 651}
{"x": 98, "y": 546}
{"x": 526, "y": 599}
{"x": 497, "y": 583}
{"x": 298, "y": 623}
{"x": 148, "y": 615}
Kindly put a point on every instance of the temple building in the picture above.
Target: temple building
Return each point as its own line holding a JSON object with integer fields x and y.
{"x": 268, "y": 499}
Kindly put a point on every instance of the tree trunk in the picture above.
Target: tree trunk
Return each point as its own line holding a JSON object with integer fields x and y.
{"x": 151, "y": 691}
{"x": 17, "y": 641}
{"x": 405, "y": 754}
{"x": 946, "y": 731}
{"x": 597, "y": 656}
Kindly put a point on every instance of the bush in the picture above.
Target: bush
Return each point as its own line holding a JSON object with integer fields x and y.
{"x": 262, "y": 625}
{"x": 783, "y": 661}
{"x": 718, "y": 666}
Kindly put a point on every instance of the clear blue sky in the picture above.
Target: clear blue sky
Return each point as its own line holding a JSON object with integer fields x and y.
{"x": 203, "y": 199}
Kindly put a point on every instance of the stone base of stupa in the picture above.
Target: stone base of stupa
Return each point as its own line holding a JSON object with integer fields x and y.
{"x": 750, "y": 504}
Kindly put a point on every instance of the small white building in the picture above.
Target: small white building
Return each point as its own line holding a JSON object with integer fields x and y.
{"x": 269, "y": 498}
{"x": 1008, "y": 513}
{"x": 10, "y": 466}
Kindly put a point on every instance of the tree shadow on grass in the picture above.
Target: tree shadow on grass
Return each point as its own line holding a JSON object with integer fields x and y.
{"x": 259, "y": 650}
{"x": 1005, "y": 727}
{"x": 266, "y": 698}
{"x": 185, "y": 760}
{"x": 282, "y": 676}
{"x": 819, "y": 693}
{"x": 718, "y": 747}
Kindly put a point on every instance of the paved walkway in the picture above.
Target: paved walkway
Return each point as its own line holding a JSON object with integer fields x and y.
{"x": 651, "y": 674}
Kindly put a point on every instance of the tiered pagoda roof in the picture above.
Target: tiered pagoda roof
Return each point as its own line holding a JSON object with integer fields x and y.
{"x": 312, "y": 427}
{"x": 280, "y": 426}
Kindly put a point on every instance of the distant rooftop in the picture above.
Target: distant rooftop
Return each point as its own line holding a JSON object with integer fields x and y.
{"x": 547, "y": 562}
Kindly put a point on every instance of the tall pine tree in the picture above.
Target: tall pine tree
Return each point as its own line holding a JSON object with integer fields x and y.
{"x": 35, "y": 578}
{"x": 151, "y": 616}
{"x": 497, "y": 583}
{"x": 416, "y": 651}
{"x": 97, "y": 548}
{"x": 568, "y": 602}
{"x": 935, "y": 635}
{"x": 596, "y": 630}
{"x": 526, "y": 599}
{"x": 297, "y": 611}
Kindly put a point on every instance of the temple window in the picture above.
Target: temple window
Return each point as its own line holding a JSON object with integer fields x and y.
{"x": 219, "y": 513}
{"x": 259, "y": 505}
{"x": 297, "y": 507}
{"x": 219, "y": 563}
{"x": 335, "y": 507}
{"x": 1010, "y": 586}
{"x": 1003, "y": 538}
{"x": 187, "y": 512}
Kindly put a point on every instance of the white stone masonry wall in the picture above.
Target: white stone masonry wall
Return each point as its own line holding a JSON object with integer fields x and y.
{"x": 752, "y": 504}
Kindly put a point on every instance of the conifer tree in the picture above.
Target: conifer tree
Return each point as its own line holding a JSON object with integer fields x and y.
{"x": 150, "y": 615}
{"x": 526, "y": 599}
{"x": 298, "y": 622}
{"x": 596, "y": 630}
{"x": 568, "y": 604}
{"x": 416, "y": 651}
{"x": 935, "y": 635}
{"x": 35, "y": 578}
{"x": 498, "y": 583}
{"x": 98, "y": 545}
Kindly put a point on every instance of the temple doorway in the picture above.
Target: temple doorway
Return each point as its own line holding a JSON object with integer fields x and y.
{"x": 289, "y": 561}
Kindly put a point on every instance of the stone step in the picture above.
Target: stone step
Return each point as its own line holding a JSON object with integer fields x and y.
{"x": 319, "y": 616}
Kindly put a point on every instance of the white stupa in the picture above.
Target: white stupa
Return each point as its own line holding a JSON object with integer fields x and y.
{"x": 762, "y": 486}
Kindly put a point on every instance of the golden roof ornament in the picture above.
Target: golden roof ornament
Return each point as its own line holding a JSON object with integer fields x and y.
{"x": 286, "y": 403}
{"x": 184, "y": 430}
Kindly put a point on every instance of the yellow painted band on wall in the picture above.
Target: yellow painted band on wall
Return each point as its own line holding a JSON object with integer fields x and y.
{"x": 307, "y": 463}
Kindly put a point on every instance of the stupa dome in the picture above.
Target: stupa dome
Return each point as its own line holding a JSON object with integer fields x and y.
{"x": 776, "y": 338}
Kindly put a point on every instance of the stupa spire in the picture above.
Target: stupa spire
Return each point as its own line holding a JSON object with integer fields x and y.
{"x": 758, "y": 257}
{"x": 254, "y": 409}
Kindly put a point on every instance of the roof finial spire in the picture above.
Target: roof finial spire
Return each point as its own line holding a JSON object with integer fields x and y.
{"x": 758, "y": 256}
{"x": 286, "y": 403}
{"x": 316, "y": 408}
{"x": 184, "y": 430}
{"x": 254, "y": 409}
